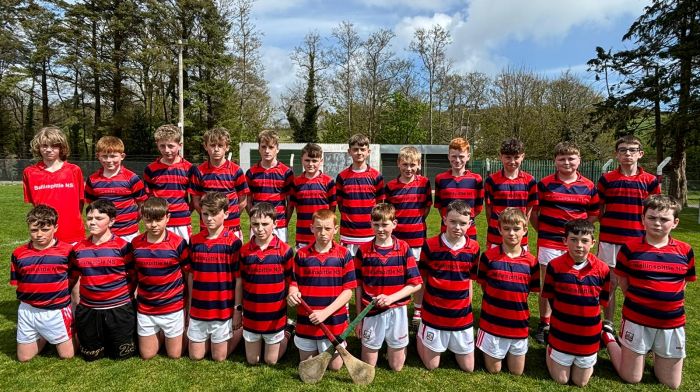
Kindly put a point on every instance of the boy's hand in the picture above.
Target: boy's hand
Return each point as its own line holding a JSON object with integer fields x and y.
{"x": 384, "y": 300}
{"x": 237, "y": 319}
{"x": 358, "y": 330}
{"x": 294, "y": 298}
{"x": 317, "y": 317}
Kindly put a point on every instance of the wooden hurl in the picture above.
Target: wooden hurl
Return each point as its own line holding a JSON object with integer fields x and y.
{"x": 312, "y": 370}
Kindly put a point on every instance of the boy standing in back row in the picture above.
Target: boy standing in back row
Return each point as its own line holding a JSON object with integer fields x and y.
{"x": 359, "y": 189}
{"x": 563, "y": 196}
{"x": 622, "y": 192}
{"x": 168, "y": 177}
{"x": 271, "y": 181}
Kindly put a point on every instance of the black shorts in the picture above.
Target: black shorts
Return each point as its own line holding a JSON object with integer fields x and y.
{"x": 106, "y": 331}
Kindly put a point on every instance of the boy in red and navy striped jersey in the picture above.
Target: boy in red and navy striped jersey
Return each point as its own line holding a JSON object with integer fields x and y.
{"x": 168, "y": 177}
{"x": 39, "y": 270}
{"x": 264, "y": 274}
{"x": 509, "y": 187}
{"x": 117, "y": 184}
{"x": 313, "y": 190}
{"x": 324, "y": 276}
{"x": 562, "y": 196}
{"x": 459, "y": 183}
{"x": 218, "y": 174}
{"x": 386, "y": 271}
{"x": 448, "y": 263}
{"x": 359, "y": 188}
{"x": 411, "y": 196}
{"x": 622, "y": 192}
{"x": 215, "y": 314}
{"x": 652, "y": 272}
{"x": 271, "y": 181}
{"x": 160, "y": 258}
{"x": 576, "y": 284}
{"x": 507, "y": 274}
{"x": 104, "y": 263}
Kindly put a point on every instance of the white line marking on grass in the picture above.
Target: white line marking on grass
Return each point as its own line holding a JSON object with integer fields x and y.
{"x": 13, "y": 243}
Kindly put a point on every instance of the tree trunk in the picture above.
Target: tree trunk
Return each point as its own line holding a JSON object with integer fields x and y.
{"x": 45, "y": 121}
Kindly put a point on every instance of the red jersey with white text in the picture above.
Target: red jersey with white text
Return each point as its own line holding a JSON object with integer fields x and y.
{"x": 411, "y": 201}
{"x": 501, "y": 192}
{"x": 271, "y": 185}
{"x": 227, "y": 179}
{"x": 63, "y": 190}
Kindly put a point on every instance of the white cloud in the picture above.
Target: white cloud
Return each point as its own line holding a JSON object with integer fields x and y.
{"x": 419, "y": 5}
{"x": 280, "y": 71}
{"x": 276, "y": 6}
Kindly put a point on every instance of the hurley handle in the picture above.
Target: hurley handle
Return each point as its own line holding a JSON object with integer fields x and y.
{"x": 325, "y": 329}
{"x": 357, "y": 319}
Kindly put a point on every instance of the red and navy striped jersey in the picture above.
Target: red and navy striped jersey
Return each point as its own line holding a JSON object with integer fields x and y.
{"x": 501, "y": 192}
{"x": 410, "y": 201}
{"x": 106, "y": 272}
{"x": 468, "y": 187}
{"x": 214, "y": 267}
{"x": 560, "y": 203}
{"x": 357, "y": 194}
{"x": 171, "y": 183}
{"x": 387, "y": 270}
{"x": 321, "y": 278}
{"x": 125, "y": 190}
{"x": 41, "y": 276}
{"x": 506, "y": 283}
{"x": 228, "y": 179}
{"x": 309, "y": 195}
{"x": 265, "y": 275}
{"x": 63, "y": 190}
{"x": 656, "y": 282}
{"x": 159, "y": 273}
{"x": 271, "y": 185}
{"x": 447, "y": 273}
{"x": 622, "y": 198}
{"x": 576, "y": 297}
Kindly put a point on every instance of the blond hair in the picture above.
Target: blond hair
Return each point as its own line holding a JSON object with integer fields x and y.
{"x": 512, "y": 216}
{"x": 219, "y": 134}
{"x": 51, "y": 136}
{"x": 409, "y": 154}
{"x": 270, "y": 137}
{"x": 168, "y": 132}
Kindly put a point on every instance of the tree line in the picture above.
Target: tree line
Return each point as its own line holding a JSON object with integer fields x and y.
{"x": 98, "y": 67}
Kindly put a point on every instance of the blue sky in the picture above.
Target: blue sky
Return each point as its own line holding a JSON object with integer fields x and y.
{"x": 546, "y": 36}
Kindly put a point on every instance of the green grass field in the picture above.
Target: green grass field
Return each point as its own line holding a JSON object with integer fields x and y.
{"x": 47, "y": 372}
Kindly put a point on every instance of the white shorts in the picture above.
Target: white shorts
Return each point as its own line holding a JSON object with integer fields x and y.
{"x": 181, "y": 231}
{"x": 564, "y": 359}
{"x": 525, "y": 247}
{"x": 608, "y": 252}
{"x": 666, "y": 343}
{"x": 54, "y": 325}
{"x": 353, "y": 243}
{"x": 439, "y": 341}
{"x": 172, "y": 324}
{"x": 312, "y": 345}
{"x": 218, "y": 331}
{"x": 130, "y": 237}
{"x": 300, "y": 245}
{"x": 416, "y": 253}
{"x": 390, "y": 325}
{"x": 269, "y": 338}
{"x": 498, "y": 347}
{"x": 280, "y": 232}
{"x": 545, "y": 255}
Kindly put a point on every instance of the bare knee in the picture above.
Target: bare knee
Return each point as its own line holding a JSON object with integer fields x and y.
{"x": 24, "y": 357}
{"x": 493, "y": 368}
{"x": 218, "y": 357}
{"x": 560, "y": 379}
{"x": 335, "y": 366}
{"x": 271, "y": 361}
{"x": 397, "y": 365}
{"x": 147, "y": 356}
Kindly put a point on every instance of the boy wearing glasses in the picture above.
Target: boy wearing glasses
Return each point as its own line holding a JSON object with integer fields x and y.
{"x": 621, "y": 193}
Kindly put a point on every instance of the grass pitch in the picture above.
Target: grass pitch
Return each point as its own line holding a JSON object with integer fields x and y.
{"x": 47, "y": 373}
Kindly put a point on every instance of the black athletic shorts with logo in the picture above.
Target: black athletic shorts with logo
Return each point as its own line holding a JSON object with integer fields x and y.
{"x": 106, "y": 331}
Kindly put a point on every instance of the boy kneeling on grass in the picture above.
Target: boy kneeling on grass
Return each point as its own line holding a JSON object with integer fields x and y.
{"x": 39, "y": 269}
{"x": 652, "y": 272}
{"x": 576, "y": 285}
